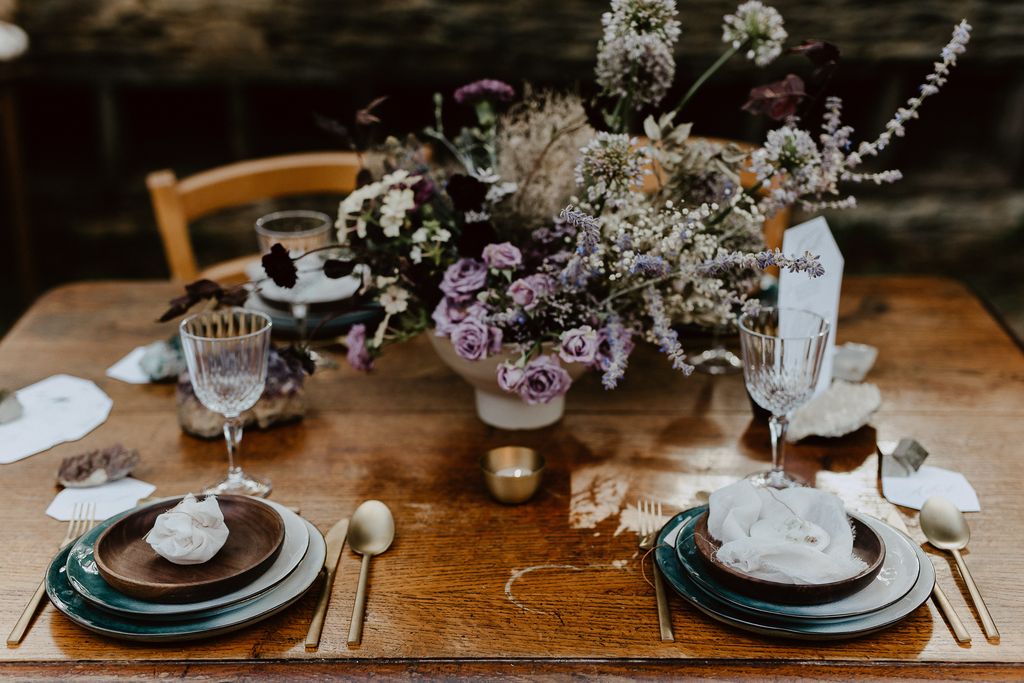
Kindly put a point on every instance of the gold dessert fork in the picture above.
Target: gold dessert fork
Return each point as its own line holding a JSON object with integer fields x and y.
{"x": 83, "y": 518}
{"x": 649, "y": 520}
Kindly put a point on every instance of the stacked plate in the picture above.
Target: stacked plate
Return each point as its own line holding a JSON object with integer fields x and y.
{"x": 156, "y": 602}
{"x": 902, "y": 584}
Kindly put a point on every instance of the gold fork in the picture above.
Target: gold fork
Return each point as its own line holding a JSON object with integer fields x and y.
{"x": 83, "y": 518}
{"x": 649, "y": 515}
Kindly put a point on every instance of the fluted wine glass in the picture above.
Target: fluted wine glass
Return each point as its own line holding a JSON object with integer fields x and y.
{"x": 782, "y": 353}
{"x": 299, "y": 231}
{"x": 226, "y": 353}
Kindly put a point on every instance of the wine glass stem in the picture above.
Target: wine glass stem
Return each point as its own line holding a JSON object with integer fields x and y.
{"x": 778, "y": 426}
{"x": 233, "y": 437}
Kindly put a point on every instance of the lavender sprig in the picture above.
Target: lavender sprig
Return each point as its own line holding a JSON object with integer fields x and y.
{"x": 618, "y": 352}
{"x": 663, "y": 333}
{"x": 808, "y": 263}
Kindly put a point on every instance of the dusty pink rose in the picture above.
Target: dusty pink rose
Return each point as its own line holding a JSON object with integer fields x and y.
{"x": 509, "y": 377}
{"x": 579, "y": 345}
{"x": 528, "y": 291}
{"x": 503, "y": 256}
{"x": 543, "y": 379}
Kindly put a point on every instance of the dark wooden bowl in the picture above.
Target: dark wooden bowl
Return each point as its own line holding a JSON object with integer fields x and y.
{"x": 867, "y": 545}
{"x": 128, "y": 563}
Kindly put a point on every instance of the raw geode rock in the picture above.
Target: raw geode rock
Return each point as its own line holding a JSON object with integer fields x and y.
{"x": 97, "y": 467}
{"x": 163, "y": 360}
{"x": 842, "y": 408}
{"x": 10, "y": 406}
{"x": 852, "y": 362}
{"x": 283, "y": 400}
{"x": 902, "y": 458}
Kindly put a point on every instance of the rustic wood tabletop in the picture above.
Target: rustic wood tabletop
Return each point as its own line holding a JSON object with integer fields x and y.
{"x": 476, "y": 589}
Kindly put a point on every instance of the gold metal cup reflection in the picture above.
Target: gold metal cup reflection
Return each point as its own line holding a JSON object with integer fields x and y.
{"x": 512, "y": 473}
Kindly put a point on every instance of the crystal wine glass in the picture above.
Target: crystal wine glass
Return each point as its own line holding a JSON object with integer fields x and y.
{"x": 299, "y": 231}
{"x": 226, "y": 352}
{"x": 782, "y": 353}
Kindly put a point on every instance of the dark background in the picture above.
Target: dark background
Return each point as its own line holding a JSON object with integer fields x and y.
{"x": 113, "y": 89}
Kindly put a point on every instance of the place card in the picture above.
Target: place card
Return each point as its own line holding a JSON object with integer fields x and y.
{"x": 57, "y": 409}
{"x": 819, "y": 295}
{"x": 928, "y": 481}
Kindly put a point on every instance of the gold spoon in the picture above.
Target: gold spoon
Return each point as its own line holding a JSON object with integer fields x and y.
{"x": 946, "y": 529}
{"x": 371, "y": 532}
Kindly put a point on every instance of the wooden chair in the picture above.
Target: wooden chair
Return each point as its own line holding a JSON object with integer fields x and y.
{"x": 178, "y": 202}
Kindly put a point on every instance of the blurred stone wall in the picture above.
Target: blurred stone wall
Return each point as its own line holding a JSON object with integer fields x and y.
{"x": 112, "y": 89}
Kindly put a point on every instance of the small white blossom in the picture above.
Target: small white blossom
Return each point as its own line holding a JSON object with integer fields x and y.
{"x": 419, "y": 236}
{"x": 441, "y": 235}
{"x": 416, "y": 254}
{"x": 498, "y": 191}
{"x": 392, "y": 212}
{"x": 758, "y": 28}
{"x": 394, "y": 299}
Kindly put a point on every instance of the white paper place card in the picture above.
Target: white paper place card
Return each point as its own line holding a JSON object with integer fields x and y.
{"x": 109, "y": 499}
{"x": 930, "y": 481}
{"x": 58, "y": 409}
{"x": 129, "y": 368}
{"x": 819, "y": 295}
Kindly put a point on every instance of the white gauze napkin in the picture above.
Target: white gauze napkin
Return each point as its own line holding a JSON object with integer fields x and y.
{"x": 796, "y": 535}
{"x": 189, "y": 533}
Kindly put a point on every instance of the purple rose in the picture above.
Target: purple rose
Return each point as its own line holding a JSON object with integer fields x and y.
{"x": 543, "y": 379}
{"x": 358, "y": 355}
{"x": 486, "y": 89}
{"x": 579, "y": 345}
{"x": 504, "y": 256}
{"x": 450, "y": 313}
{"x": 528, "y": 291}
{"x": 464, "y": 278}
{"x": 510, "y": 376}
{"x": 474, "y": 340}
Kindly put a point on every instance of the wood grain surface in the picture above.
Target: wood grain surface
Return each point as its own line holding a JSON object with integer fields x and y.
{"x": 472, "y": 588}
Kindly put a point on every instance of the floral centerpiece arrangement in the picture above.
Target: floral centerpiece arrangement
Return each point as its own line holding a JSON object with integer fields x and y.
{"x": 548, "y": 238}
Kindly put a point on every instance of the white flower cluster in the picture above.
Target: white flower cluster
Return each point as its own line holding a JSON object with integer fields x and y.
{"x": 399, "y": 200}
{"x": 612, "y": 168}
{"x": 758, "y": 28}
{"x": 634, "y": 57}
{"x": 795, "y": 168}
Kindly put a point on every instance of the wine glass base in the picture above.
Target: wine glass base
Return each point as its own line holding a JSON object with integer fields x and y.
{"x": 775, "y": 479}
{"x": 240, "y": 486}
{"x": 716, "y": 361}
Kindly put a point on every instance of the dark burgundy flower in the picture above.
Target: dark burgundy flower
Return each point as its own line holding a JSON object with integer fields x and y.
{"x": 280, "y": 268}
{"x": 298, "y": 357}
{"x": 467, "y": 193}
{"x": 474, "y": 237}
{"x": 423, "y": 191}
{"x": 365, "y": 116}
{"x": 200, "y": 290}
{"x": 335, "y": 268}
{"x": 818, "y": 52}
{"x": 777, "y": 100}
{"x": 236, "y": 296}
{"x": 364, "y": 177}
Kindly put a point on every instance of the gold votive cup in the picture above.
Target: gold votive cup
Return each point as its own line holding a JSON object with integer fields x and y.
{"x": 512, "y": 473}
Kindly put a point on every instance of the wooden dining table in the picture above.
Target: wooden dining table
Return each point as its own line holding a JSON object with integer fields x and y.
{"x": 476, "y": 589}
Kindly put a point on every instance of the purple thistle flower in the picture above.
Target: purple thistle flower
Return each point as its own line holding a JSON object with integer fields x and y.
{"x": 485, "y": 89}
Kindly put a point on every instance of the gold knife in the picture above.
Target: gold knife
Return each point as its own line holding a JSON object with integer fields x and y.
{"x": 335, "y": 544}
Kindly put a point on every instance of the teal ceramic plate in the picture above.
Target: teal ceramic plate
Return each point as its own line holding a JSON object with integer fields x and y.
{"x": 897, "y": 576}
{"x": 85, "y": 578}
{"x": 800, "y": 629}
{"x": 66, "y": 599}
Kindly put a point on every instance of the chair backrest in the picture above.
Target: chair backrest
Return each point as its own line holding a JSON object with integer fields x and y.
{"x": 178, "y": 202}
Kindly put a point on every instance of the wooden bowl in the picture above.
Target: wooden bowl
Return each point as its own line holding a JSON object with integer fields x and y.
{"x": 867, "y": 545}
{"x": 128, "y": 563}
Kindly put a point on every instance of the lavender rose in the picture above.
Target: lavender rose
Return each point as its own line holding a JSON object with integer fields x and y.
{"x": 543, "y": 379}
{"x": 504, "y": 256}
{"x": 485, "y": 89}
{"x": 509, "y": 377}
{"x": 464, "y": 278}
{"x": 358, "y": 355}
{"x": 528, "y": 291}
{"x": 450, "y": 313}
{"x": 579, "y": 345}
{"x": 474, "y": 340}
